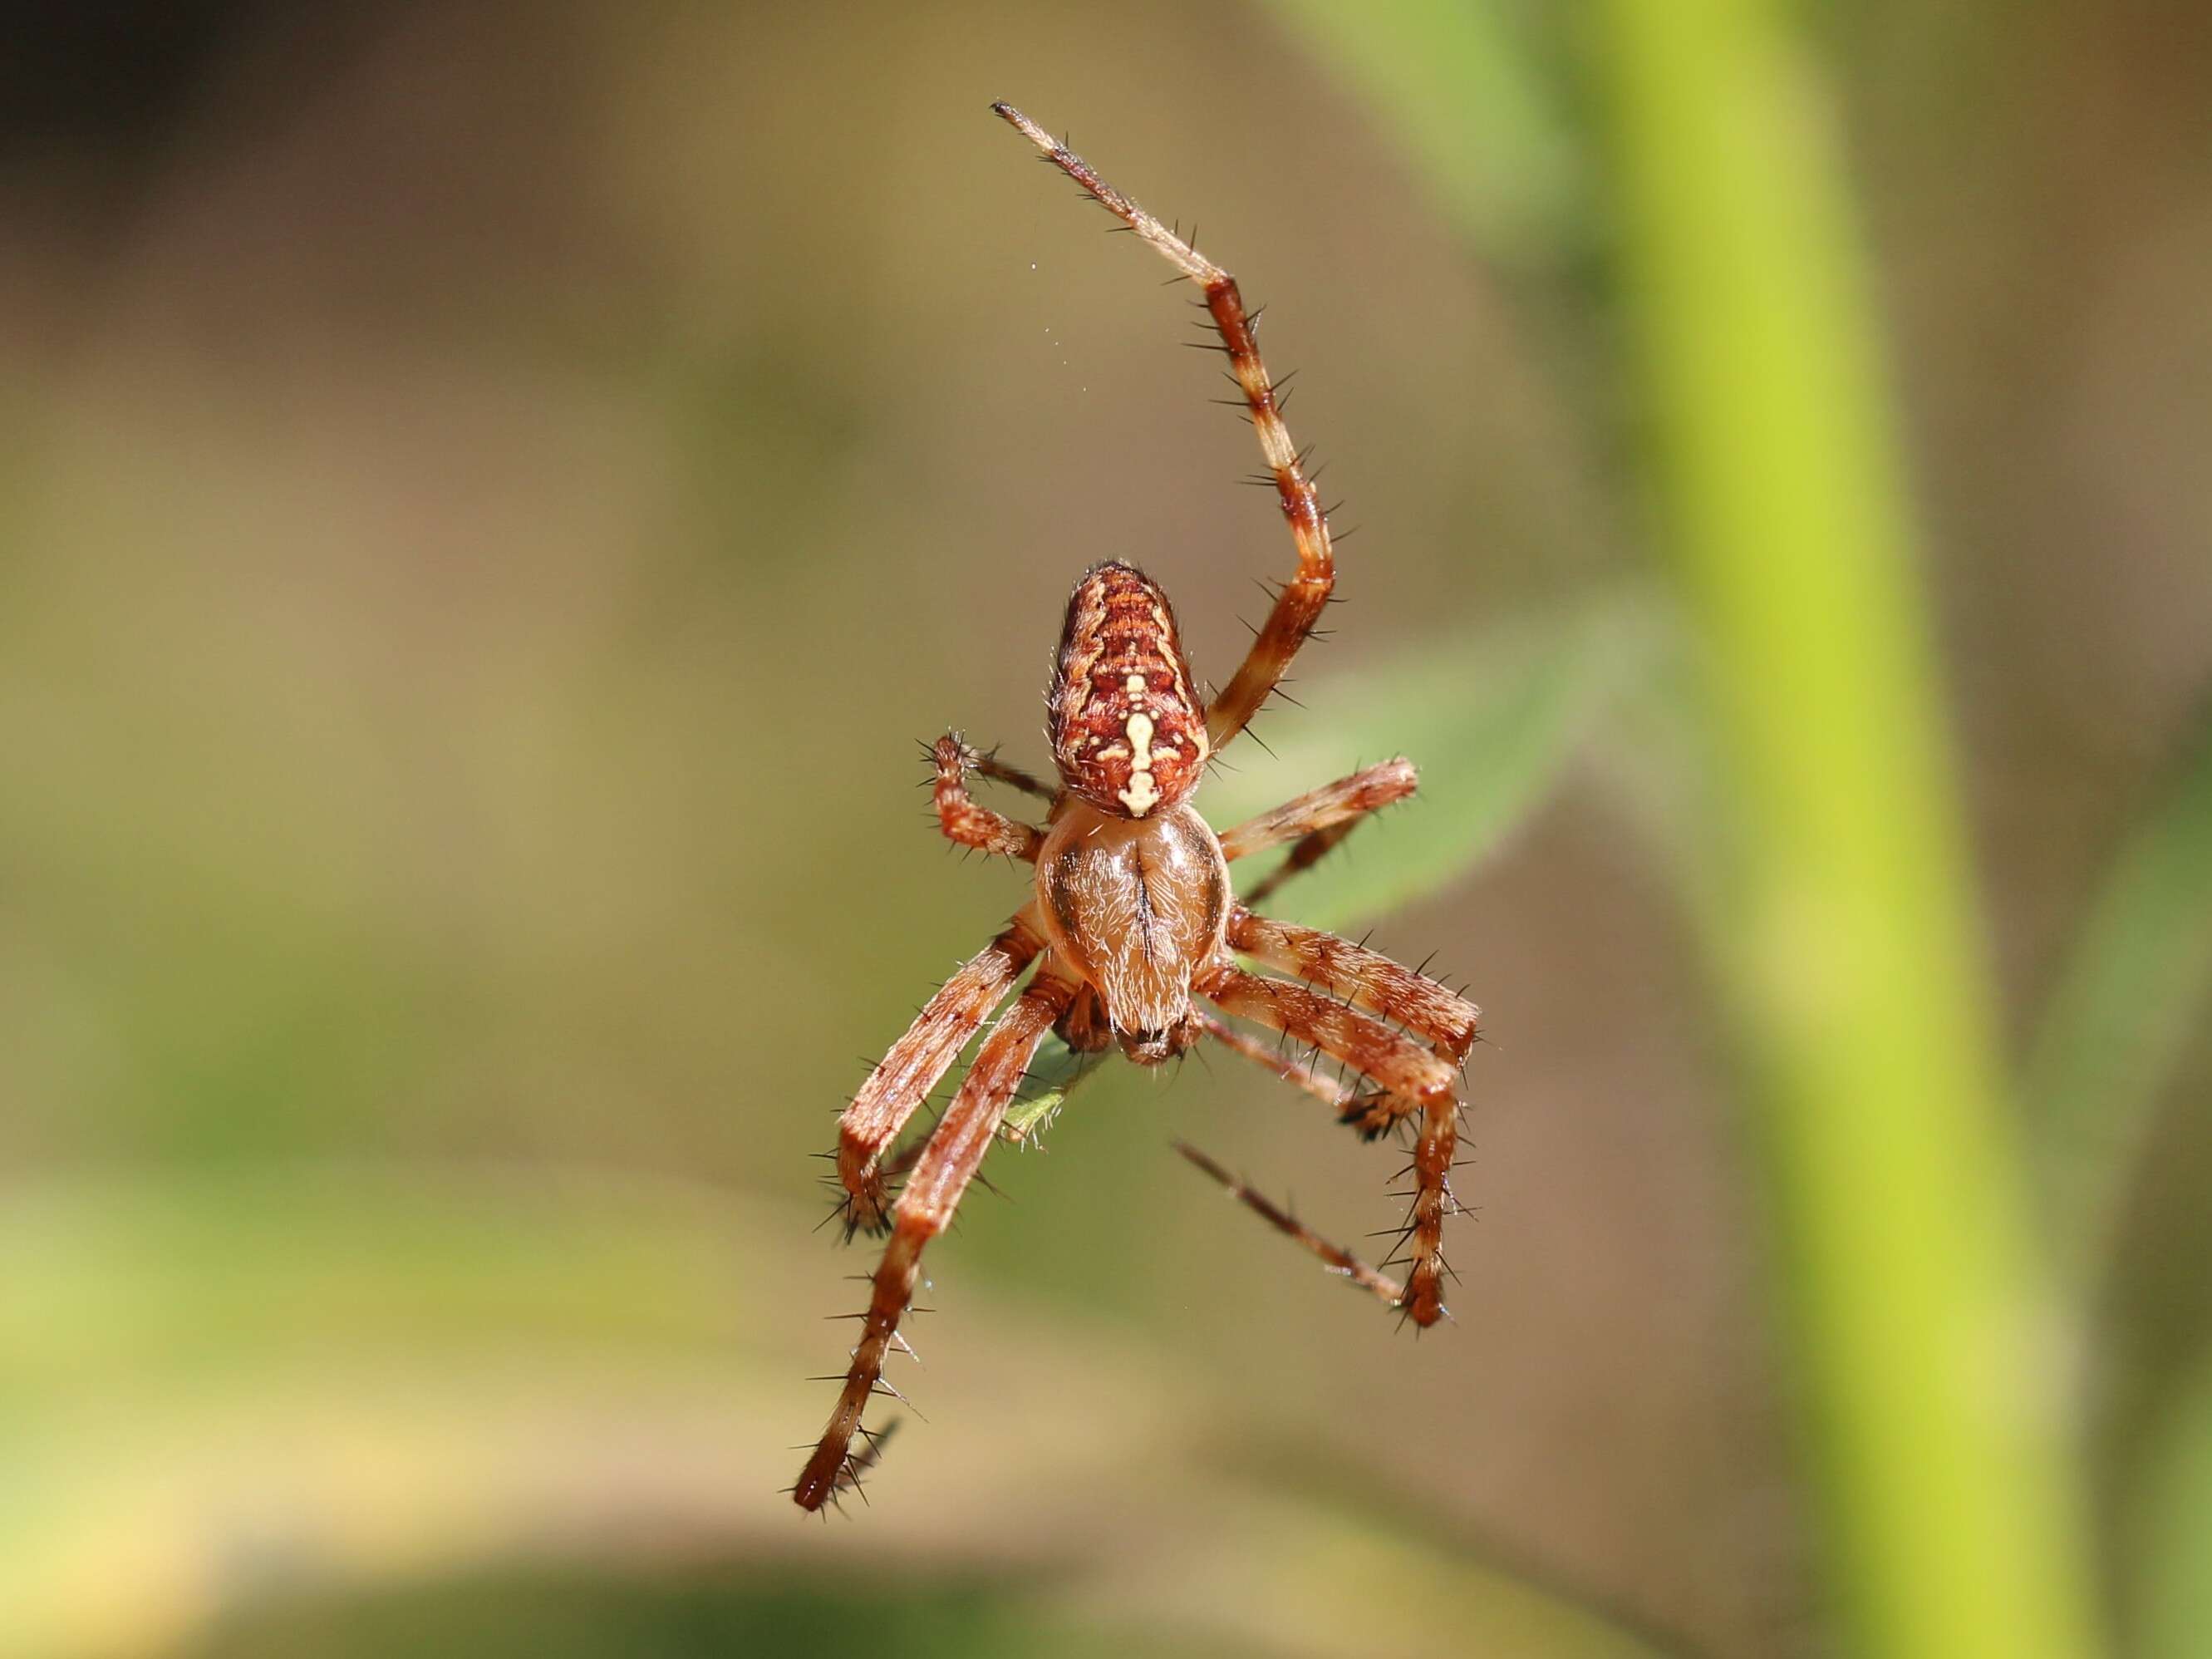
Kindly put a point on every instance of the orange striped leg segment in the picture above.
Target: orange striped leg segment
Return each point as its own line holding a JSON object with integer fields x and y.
{"x": 1418, "y": 1076}
{"x": 1292, "y": 1071}
{"x": 1298, "y": 604}
{"x": 1371, "y": 980}
{"x": 905, "y": 1076}
{"x": 965, "y": 820}
{"x": 1334, "y": 805}
{"x": 925, "y": 1209}
{"x": 1317, "y": 821}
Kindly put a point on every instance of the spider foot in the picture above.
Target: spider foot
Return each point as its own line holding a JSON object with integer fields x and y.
{"x": 855, "y": 1213}
{"x": 1421, "y": 1303}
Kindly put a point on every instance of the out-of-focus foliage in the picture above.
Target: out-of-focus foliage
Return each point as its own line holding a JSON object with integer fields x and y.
{"x": 2133, "y": 994}
{"x": 1496, "y": 720}
{"x": 2170, "y": 1531}
{"x": 426, "y": 1374}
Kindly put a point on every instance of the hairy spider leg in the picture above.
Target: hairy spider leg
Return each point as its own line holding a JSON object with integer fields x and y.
{"x": 1369, "y": 1112}
{"x": 1333, "y": 806}
{"x": 904, "y": 1077}
{"x": 1338, "y": 1259}
{"x": 1306, "y": 852}
{"x": 1299, "y": 602}
{"x": 1330, "y": 1091}
{"x": 1317, "y": 822}
{"x": 989, "y": 765}
{"x": 925, "y": 1207}
{"x": 1405, "y": 1069}
{"x": 1369, "y": 978}
{"x": 967, "y": 822}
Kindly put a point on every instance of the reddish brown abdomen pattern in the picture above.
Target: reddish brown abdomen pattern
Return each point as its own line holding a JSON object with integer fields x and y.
{"x": 1128, "y": 732}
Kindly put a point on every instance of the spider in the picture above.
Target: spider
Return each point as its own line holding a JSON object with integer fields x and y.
{"x": 1131, "y": 922}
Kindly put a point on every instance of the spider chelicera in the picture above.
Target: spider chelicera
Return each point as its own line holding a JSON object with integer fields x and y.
{"x": 1132, "y": 921}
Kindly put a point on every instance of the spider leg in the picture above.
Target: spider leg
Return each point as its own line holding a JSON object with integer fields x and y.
{"x": 1317, "y": 820}
{"x": 967, "y": 823}
{"x": 1328, "y": 1090}
{"x": 1338, "y": 1259}
{"x": 1369, "y": 978}
{"x": 1298, "y": 603}
{"x": 1371, "y": 1112}
{"x": 1310, "y": 1016}
{"x": 989, "y": 765}
{"x": 1306, "y": 851}
{"x": 1417, "y": 1079}
{"x": 925, "y": 1208}
{"x": 904, "y": 1077}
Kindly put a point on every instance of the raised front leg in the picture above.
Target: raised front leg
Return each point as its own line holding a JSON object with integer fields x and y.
{"x": 1298, "y": 602}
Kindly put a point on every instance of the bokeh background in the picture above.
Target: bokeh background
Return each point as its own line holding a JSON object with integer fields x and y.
{"x": 492, "y": 494}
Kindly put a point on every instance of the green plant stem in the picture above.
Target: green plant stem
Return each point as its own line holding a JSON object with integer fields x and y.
{"x": 1891, "y": 1175}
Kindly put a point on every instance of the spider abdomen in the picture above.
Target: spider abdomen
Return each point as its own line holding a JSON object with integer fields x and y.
{"x": 1128, "y": 732}
{"x": 1137, "y": 908}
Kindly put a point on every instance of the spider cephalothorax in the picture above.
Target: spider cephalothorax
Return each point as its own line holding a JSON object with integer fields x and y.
{"x": 1133, "y": 927}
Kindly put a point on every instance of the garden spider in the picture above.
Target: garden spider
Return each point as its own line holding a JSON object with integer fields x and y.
{"x": 1133, "y": 920}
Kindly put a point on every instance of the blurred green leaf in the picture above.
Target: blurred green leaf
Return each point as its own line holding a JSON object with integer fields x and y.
{"x": 1465, "y": 97}
{"x": 2171, "y": 1531}
{"x": 2132, "y": 996}
{"x": 1491, "y": 725}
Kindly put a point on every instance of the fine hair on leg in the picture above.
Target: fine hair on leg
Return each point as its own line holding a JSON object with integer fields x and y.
{"x": 965, "y": 820}
{"x": 1424, "y": 1080}
{"x": 932, "y": 1192}
{"x": 905, "y": 1075}
{"x": 1335, "y": 806}
{"x": 1367, "y": 978}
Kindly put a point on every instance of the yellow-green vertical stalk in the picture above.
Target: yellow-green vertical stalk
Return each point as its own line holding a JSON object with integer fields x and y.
{"x": 1893, "y": 1182}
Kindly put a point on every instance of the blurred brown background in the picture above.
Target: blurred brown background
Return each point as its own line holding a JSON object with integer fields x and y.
{"x": 493, "y": 493}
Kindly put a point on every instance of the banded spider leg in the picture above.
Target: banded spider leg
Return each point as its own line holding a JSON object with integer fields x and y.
{"x": 905, "y": 1075}
{"x": 1358, "y": 978}
{"x": 925, "y": 1204}
{"x": 1298, "y": 604}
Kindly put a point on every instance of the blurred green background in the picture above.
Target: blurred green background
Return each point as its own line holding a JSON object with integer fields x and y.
{"x": 491, "y": 496}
